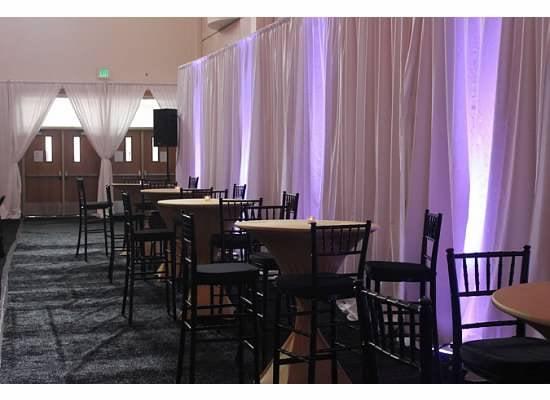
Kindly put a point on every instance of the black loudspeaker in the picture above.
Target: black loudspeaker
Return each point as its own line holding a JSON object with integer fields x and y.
{"x": 165, "y": 127}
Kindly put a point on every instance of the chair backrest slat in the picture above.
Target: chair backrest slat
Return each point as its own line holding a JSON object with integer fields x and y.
{"x": 239, "y": 191}
{"x": 382, "y": 333}
{"x": 193, "y": 182}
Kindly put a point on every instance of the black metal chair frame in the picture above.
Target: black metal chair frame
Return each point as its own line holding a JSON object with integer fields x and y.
{"x": 476, "y": 289}
{"x": 431, "y": 233}
{"x": 387, "y": 325}
{"x": 137, "y": 256}
{"x": 239, "y": 191}
{"x": 84, "y": 219}
{"x": 193, "y": 323}
{"x": 290, "y": 201}
{"x": 352, "y": 240}
{"x": 220, "y": 194}
{"x": 193, "y": 182}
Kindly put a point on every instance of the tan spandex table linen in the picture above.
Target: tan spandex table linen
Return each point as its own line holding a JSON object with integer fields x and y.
{"x": 207, "y": 223}
{"x": 529, "y": 302}
{"x": 289, "y": 242}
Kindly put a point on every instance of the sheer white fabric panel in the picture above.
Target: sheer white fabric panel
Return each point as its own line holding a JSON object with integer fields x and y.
{"x": 221, "y": 124}
{"x": 5, "y": 145}
{"x": 105, "y": 112}
{"x": 165, "y": 95}
{"x": 28, "y": 106}
{"x": 185, "y": 164}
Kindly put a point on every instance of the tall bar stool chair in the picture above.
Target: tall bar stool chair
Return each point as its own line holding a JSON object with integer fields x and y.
{"x": 398, "y": 330}
{"x": 193, "y": 182}
{"x": 423, "y": 272}
{"x": 118, "y": 241}
{"x": 147, "y": 249}
{"x": 327, "y": 241}
{"x": 290, "y": 202}
{"x": 220, "y": 194}
{"x": 84, "y": 219}
{"x": 239, "y": 191}
{"x": 516, "y": 359}
{"x": 240, "y": 275}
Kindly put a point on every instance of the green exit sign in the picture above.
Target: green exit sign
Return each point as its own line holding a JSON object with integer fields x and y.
{"x": 103, "y": 73}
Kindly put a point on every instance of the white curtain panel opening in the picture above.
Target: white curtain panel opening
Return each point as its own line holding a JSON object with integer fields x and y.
{"x": 105, "y": 112}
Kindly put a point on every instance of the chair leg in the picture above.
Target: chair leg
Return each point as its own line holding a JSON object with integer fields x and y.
{"x": 265, "y": 288}
{"x": 181, "y": 352}
{"x": 132, "y": 283}
{"x": 126, "y": 281}
{"x": 174, "y": 277}
{"x": 240, "y": 312}
{"x": 79, "y": 232}
{"x": 333, "y": 363}
{"x": 312, "y": 343}
{"x": 112, "y": 254}
{"x": 193, "y": 343}
{"x": 105, "y": 231}
{"x": 256, "y": 341}
{"x": 86, "y": 235}
{"x": 276, "y": 339}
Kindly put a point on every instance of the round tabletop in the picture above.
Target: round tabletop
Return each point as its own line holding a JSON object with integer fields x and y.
{"x": 175, "y": 190}
{"x": 300, "y": 225}
{"x": 182, "y": 203}
{"x": 529, "y": 302}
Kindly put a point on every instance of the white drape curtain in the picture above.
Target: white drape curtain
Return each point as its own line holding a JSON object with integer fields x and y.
{"x": 221, "y": 124}
{"x": 28, "y": 104}
{"x": 165, "y": 95}
{"x": 5, "y": 147}
{"x": 105, "y": 112}
{"x": 186, "y": 98}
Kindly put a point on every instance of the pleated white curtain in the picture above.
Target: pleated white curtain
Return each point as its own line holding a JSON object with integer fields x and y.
{"x": 165, "y": 95}
{"x": 221, "y": 123}
{"x": 28, "y": 104}
{"x": 517, "y": 203}
{"x": 105, "y": 112}
{"x": 186, "y": 97}
{"x": 5, "y": 148}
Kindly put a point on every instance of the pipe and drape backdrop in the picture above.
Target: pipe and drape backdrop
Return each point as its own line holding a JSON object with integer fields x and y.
{"x": 381, "y": 118}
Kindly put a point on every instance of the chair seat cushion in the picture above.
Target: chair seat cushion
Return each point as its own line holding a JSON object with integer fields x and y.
{"x": 388, "y": 271}
{"x": 97, "y": 205}
{"x": 154, "y": 234}
{"x": 226, "y": 272}
{"x": 231, "y": 241}
{"x": 264, "y": 260}
{"x": 329, "y": 284}
{"x": 509, "y": 360}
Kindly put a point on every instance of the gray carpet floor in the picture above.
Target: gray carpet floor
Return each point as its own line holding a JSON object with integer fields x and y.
{"x": 63, "y": 322}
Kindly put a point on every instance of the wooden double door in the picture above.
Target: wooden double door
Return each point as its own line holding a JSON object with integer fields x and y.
{"x": 57, "y": 156}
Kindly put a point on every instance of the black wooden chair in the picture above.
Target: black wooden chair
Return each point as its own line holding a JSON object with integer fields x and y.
{"x": 195, "y": 193}
{"x": 290, "y": 202}
{"x": 263, "y": 260}
{"x": 398, "y": 330}
{"x": 321, "y": 287}
{"x": 422, "y": 273}
{"x": 2, "y": 251}
{"x": 147, "y": 249}
{"x": 85, "y": 219}
{"x": 220, "y": 194}
{"x": 517, "y": 359}
{"x": 230, "y": 239}
{"x": 240, "y": 275}
{"x": 239, "y": 191}
{"x": 118, "y": 241}
{"x": 193, "y": 182}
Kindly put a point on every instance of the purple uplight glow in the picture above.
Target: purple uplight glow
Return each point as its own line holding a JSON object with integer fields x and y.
{"x": 245, "y": 53}
{"x": 316, "y": 66}
{"x": 478, "y": 42}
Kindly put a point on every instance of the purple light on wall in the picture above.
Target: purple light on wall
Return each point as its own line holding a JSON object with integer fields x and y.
{"x": 478, "y": 42}
{"x": 316, "y": 29}
{"x": 245, "y": 54}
